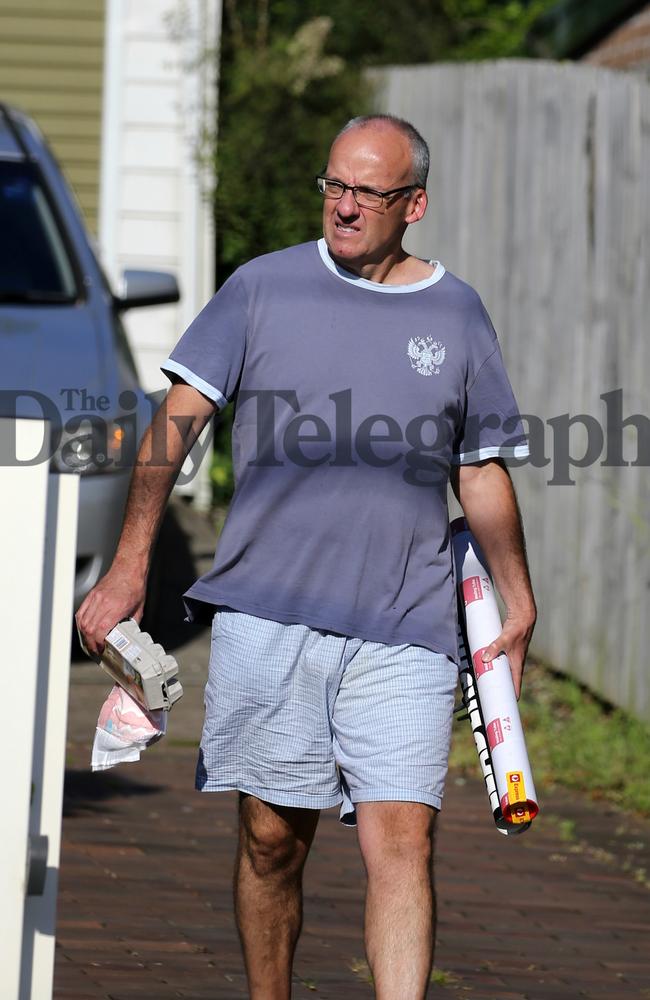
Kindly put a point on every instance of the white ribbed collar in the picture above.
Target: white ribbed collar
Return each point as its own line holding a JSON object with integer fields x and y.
{"x": 377, "y": 286}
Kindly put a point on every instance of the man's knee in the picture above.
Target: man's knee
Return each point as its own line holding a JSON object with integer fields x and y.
{"x": 395, "y": 834}
{"x": 275, "y": 839}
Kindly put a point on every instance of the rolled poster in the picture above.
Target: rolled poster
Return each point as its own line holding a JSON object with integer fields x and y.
{"x": 488, "y": 690}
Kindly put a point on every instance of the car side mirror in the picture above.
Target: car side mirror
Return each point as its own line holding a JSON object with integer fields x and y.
{"x": 146, "y": 288}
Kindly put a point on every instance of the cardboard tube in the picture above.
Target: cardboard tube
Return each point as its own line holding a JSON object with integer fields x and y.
{"x": 492, "y": 704}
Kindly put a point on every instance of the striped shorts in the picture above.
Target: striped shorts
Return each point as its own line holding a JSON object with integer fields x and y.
{"x": 302, "y": 717}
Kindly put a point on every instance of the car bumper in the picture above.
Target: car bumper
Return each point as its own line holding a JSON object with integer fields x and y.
{"x": 102, "y": 500}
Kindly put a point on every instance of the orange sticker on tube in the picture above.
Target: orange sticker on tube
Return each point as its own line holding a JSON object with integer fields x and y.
{"x": 519, "y": 812}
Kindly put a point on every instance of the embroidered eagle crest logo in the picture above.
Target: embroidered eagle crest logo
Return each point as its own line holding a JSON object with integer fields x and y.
{"x": 426, "y": 355}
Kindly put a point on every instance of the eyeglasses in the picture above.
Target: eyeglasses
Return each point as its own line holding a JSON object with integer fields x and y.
{"x": 364, "y": 197}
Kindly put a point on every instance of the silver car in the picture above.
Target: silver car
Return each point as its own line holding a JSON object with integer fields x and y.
{"x": 64, "y": 354}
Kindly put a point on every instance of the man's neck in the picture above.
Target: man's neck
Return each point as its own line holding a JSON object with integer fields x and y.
{"x": 396, "y": 269}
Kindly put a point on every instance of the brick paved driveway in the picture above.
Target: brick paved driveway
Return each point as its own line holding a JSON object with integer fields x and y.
{"x": 145, "y": 910}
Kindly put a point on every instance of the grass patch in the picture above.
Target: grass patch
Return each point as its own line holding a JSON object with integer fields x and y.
{"x": 566, "y": 829}
{"x": 575, "y": 741}
{"x": 361, "y": 969}
{"x": 443, "y": 978}
{"x": 440, "y": 977}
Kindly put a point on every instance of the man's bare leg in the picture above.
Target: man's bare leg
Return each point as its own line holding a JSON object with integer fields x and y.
{"x": 396, "y": 840}
{"x": 274, "y": 842}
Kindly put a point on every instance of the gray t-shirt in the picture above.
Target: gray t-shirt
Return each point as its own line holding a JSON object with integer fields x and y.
{"x": 352, "y": 399}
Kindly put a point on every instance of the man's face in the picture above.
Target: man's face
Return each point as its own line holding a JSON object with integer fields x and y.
{"x": 374, "y": 157}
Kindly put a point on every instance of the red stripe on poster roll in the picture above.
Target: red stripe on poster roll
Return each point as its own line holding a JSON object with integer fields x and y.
{"x": 472, "y": 590}
{"x": 479, "y": 666}
{"x": 494, "y": 733}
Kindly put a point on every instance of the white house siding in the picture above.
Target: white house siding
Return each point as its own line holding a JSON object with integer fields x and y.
{"x": 158, "y": 99}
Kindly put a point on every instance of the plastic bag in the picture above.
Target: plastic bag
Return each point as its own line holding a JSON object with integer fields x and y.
{"x": 124, "y": 730}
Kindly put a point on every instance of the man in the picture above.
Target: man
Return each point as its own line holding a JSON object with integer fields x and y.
{"x": 364, "y": 379}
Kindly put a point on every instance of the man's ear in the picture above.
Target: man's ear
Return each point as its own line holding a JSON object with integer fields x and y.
{"x": 417, "y": 206}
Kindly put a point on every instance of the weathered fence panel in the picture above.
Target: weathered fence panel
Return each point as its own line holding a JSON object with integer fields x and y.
{"x": 540, "y": 198}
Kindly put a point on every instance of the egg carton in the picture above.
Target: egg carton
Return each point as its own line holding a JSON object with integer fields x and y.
{"x": 140, "y": 666}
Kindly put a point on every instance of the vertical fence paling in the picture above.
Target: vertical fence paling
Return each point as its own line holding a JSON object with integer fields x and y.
{"x": 540, "y": 197}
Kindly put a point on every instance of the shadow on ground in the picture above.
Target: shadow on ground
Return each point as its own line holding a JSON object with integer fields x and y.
{"x": 173, "y": 570}
{"x": 87, "y": 792}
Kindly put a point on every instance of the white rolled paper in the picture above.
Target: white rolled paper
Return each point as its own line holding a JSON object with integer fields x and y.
{"x": 492, "y": 703}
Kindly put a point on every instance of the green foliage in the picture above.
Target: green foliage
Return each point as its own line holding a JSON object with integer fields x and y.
{"x": 574, "y": 741}
{"x": 491, "y": 29}
{"x": 282, "y": 103}
{"x": 364, "y": 32}
{"x": 402, "y": 32}
{"x": 221, "y": 470}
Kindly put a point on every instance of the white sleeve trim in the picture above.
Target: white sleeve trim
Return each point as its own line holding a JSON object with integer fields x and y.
{"x": 493, "y": 451}
{"x": 196, "y": 381}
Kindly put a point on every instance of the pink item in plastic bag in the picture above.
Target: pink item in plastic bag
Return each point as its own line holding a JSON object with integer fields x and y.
{"x": 124, "y": 730}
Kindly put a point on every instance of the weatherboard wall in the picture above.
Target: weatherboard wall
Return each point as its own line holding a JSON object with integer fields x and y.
{"x": 51, "y": 66}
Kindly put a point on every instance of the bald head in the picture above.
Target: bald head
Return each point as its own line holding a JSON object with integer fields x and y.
{"x": 387, "y": 124}
{"x": 376, "y": 156}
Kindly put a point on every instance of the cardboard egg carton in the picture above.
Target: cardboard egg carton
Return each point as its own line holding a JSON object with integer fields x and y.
{"x": 140, "y": 666}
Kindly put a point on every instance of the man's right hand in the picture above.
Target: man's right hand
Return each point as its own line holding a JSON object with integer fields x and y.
{"x": 117, "y": 596}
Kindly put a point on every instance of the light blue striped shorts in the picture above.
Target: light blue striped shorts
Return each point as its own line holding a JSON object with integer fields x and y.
{"x": 303, "y": 717}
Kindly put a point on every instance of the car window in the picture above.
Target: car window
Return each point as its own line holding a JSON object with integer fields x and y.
{"x": 34, "y": 263}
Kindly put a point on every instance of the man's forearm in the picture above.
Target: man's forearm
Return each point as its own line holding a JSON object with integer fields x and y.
{"x": 487, "y": 497}
{"x": 163, "y": 450}
{"x": 148, "y": 494}
{"x": 490, "y": 507}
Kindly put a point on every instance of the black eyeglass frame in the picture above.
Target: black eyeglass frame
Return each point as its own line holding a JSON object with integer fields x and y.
{"x": 356, "y": 187}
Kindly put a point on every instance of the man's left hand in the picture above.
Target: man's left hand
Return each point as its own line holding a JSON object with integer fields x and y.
{"x": 513, "y": 641}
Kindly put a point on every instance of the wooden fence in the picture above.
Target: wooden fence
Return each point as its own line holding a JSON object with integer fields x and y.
{"x": 540, "y": 198}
